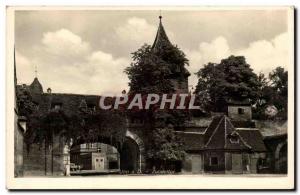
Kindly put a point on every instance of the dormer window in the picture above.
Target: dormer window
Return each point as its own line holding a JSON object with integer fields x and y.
{"x": 241, "y": 111}
{"x": 234, "y": 140}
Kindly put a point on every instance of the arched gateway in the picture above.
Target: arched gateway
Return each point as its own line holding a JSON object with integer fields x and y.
{"x": 127, "y": 156}
{"x": 133, "y": 151}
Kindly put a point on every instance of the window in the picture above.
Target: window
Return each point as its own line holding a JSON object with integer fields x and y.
{"x": 214, "y": 161}
{"x": 56, "y": 106}
{"x": 234, "y": 140}
{"x": 241, "y": 111}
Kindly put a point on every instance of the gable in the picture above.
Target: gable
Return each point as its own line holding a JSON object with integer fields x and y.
{"x": 223, "y": 135}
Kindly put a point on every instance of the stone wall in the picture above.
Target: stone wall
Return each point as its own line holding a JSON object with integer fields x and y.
{"x": 40, "y": 160}
{"x": 18, "y": 150}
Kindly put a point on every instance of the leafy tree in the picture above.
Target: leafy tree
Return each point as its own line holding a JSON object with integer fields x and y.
{"x": 279, "y": 83}
{"x": 279, "y": 80}
{"x": 272, "y": 91}
{"x": 151, "y": 72}
{"x": 148, "y": 73}
{"x": 231, "y": 79}
{"x": 174, "y": 57}
{"x": 167, "y": 147}
{"x": 99, "y": 125}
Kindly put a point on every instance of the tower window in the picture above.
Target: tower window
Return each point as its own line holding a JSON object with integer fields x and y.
{"x": 241, "y": 111}
{"x": 214, "y": 161}
{"x": 56, "y": 107}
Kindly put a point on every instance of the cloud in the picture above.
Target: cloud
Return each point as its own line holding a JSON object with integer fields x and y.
{"x": 207, "y": 52}
{"x": 67, "y": 63}
{"x": 25, "y": 69}
{"x": 262, "y": 55}
{"x": 109, "y": 73}
{"x": 64, "y": 43}
{"x": 136, "y": 32}
{"x": 93, "y": 71}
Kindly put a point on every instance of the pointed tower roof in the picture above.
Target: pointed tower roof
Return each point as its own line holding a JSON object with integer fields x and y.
{"x": 161, "y": 38}
{"x": 36, "y": 86}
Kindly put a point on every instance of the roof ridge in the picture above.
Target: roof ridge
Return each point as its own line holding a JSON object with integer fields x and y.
{"x": 241, "y": 137}
{"x": 209, "y": 140}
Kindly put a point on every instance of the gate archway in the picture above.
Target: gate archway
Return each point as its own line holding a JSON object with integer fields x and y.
{"x": 281, "y": 158}
{"x": 132, "y": 153}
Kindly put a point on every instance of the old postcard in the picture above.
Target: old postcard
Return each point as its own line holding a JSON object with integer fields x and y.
{"x": 150, "y": 98}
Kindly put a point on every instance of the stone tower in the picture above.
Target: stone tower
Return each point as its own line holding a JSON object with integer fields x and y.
{"x": 179, "y": 75}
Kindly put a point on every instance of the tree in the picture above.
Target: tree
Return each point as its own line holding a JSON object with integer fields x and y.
{"x": 231, "y": 79}
{"x": 272, "y": 92}
{"x": 148, "y": 73}
{"x": 102, "y": 124}
{"x": 279, "y": 83}
{"x": 151, "y": 72}
{"x": 279, "y": 80}
{"x": 167, "y": 148}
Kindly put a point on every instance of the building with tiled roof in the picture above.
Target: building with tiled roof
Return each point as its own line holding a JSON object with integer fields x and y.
{"x": 223, "y": 148}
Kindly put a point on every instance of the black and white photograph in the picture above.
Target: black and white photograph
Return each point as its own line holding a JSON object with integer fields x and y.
{"x": 200, "y": 93}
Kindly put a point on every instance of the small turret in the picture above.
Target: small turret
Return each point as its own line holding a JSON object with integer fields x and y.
{"x": 239, "y": 110}
{"x": 36, "y": 87}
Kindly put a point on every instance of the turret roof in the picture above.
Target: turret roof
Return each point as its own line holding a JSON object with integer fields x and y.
{"x": 161, "y": 38}
{"x": 36, "y": 86}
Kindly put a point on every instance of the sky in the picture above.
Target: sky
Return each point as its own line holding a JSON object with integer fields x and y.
{"x": 86, "y": 51}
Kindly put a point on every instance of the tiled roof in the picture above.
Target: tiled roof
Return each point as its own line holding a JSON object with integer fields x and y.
{"x": 36, "y": 86}
{"x": 192, "y": 141}
{"x": 243, "y": 124}
{"x": 254, "y": 139}
{"x": 161, "y": 38}
{"x": 70, "y": 103}
{"x": 222, "y": 135}
{"x": 211, "y": 128}
{"x": 244, "y": 102}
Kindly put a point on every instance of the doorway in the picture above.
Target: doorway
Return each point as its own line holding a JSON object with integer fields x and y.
{"x": 99, "y": 163}
{"x": 237, "y": 165}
